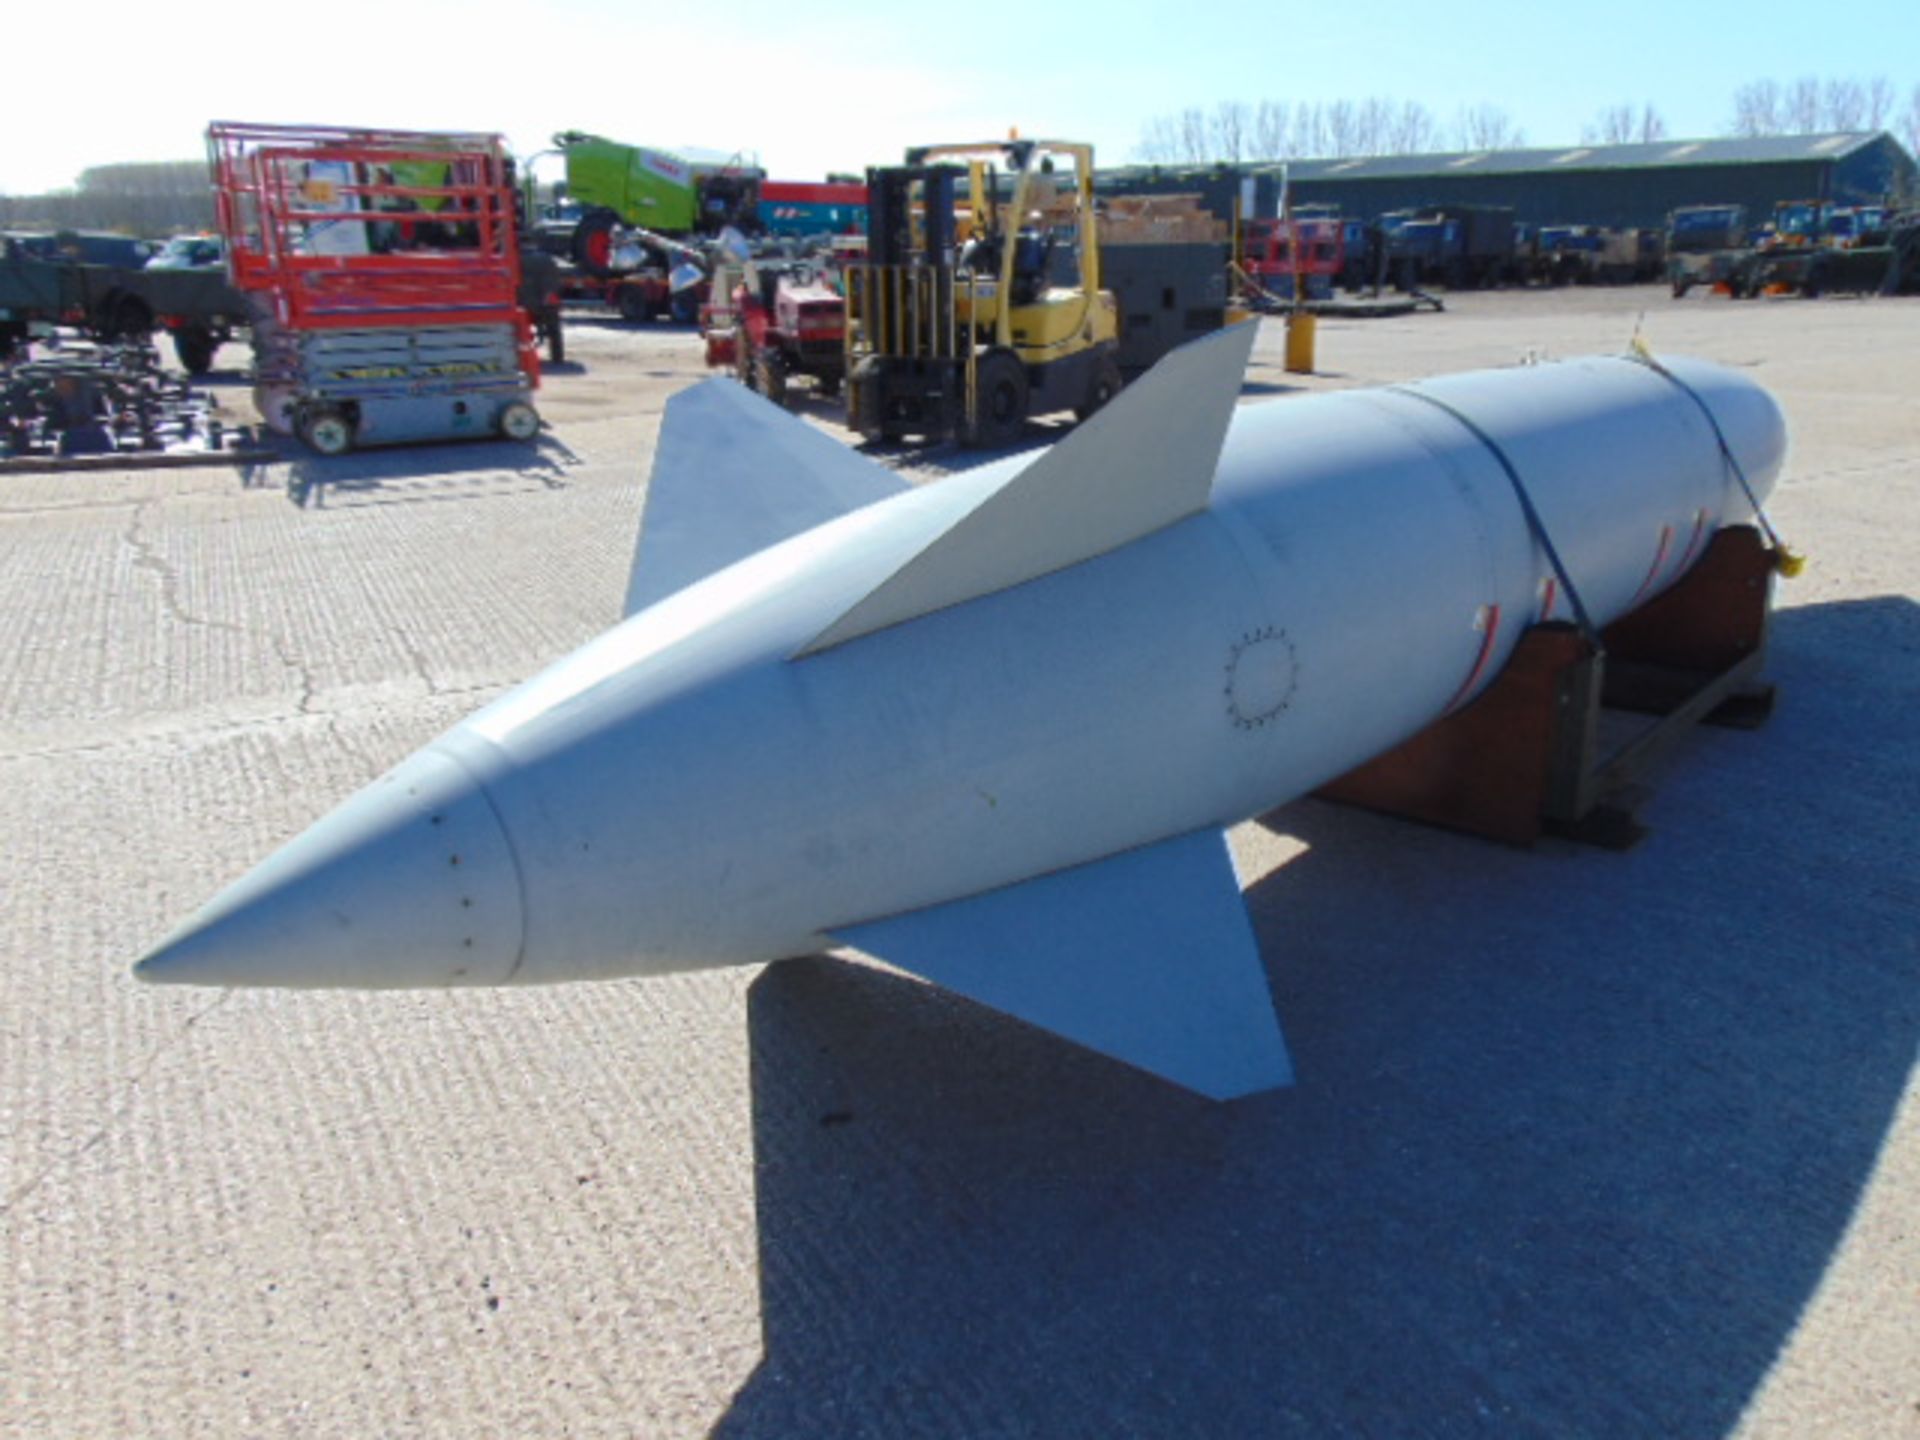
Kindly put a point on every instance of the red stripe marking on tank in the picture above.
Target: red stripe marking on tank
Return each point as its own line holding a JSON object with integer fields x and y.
{"x": 1479, "y": 661}
{"x": 1653, "y": 570}
{"x": 1693, "y": 542}
{"x": 1550, "y": 594}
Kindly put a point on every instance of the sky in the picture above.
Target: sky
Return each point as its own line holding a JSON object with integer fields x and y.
{"x": 809, "y": 88}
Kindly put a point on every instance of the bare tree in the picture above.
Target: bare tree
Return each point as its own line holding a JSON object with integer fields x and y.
{"x": 1159, "y": 141}
{"x": 1612, "y": 126}
{"x": 1756, "y": 109}
{"x": 1800, "y": 106}
{"x": 1231, "y": 123}
{"x": 1193, "y": 135}
{"x": 1811, "y": 104}
{"x": 1414, "y": 130}
{"x": 1653, "y": 125}
{"x": 1373, "y": 124}
{"x": 1843, "y": 105}
{"x": 1309, "y": 130}
{"x": 1340, "y": 128}
{"x": 1879, "y": 102}
{"x": 1487, "y": 127}
{"x": 1271, "y": 130}
{"x": 1909, "y": 122}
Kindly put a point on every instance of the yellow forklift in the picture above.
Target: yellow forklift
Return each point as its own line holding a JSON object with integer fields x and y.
{"x": 963, "y": 320}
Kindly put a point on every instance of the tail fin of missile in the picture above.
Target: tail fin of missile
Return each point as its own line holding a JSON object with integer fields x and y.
{"x": 1137, "y": 466}
{"x": 733, "y": 473}
{"x": 1146, "y": 956}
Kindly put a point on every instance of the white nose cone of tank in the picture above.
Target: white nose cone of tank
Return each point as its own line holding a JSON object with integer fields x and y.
{"x": 411, "y": 882}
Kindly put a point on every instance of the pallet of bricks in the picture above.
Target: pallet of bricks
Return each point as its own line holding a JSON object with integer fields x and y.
{"x": 1160, "y": 220}
{"x": 381, "y": 274}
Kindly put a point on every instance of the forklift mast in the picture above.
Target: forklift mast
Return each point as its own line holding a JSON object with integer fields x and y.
{"x": 900, "y": 301}
{"x": 964, "y": 331}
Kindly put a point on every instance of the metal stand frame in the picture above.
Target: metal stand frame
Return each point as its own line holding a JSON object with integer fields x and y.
{"x": 1526, "y": 758}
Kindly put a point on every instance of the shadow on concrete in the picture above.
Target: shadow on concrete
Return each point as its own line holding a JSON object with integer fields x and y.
{"x": 413, "y": 474}
{"x": 949, "y": 457}
{"x": 611, "y": 319}
{"x": 1575, "y": 1136}
{"x": 221, "y": 377}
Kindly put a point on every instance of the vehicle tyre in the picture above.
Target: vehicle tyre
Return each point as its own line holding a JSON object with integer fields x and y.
{"x": 1000, "y": 396}
{"x": 1102, "y": 387}
{"x": 770, "y": 375}
{"x": 518, "y": 420}
{"x": 128, "y": 318}
{"x": 278, "y": 408}
{"x": 828, "y": 385}
{"x": 634, "y": 304}
{"x": 326, "y": 430}
{"x": 685, "y": 306}
{"x": 195, "y": 345}
{"x": 592, "y": 244}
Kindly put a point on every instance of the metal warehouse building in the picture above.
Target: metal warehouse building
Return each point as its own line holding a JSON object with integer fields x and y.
{"x": 1612, "y": 185}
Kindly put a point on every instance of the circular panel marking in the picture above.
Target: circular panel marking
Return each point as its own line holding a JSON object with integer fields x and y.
{"x": 1262, "y": 676}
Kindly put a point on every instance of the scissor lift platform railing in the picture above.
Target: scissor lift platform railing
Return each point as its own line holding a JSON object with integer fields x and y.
{"x": 391, "y": 241}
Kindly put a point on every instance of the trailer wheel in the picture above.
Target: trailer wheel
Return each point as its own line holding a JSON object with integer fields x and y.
{"x": 195, "y": 346}
{"x": 1104, "y": 385}
{"x": 518, "y": 420}
{"x": 127, "y": 318}
{"x": 326, "y": 431}
{"x": 1000, "y": 401}
{"x": 635, "y": 307}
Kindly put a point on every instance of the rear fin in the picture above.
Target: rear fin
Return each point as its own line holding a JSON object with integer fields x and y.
{"x": 1146, "y": 956}
{"x": 1140, "y": 464}
{"x": 732, "y": 474}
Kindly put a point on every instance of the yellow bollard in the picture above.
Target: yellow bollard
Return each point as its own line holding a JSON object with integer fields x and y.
{"x": 1300, "y": 343}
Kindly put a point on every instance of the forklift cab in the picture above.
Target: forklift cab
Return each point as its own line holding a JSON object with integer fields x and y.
{"x": 1032, "y": 261}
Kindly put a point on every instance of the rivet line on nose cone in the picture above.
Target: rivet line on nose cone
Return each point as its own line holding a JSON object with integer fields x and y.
{"x": 506, "y": 837}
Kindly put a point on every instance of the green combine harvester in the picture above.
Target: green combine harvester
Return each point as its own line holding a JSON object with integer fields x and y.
{"x": 627, "y": 193}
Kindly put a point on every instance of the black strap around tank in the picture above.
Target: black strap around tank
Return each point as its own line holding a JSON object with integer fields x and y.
{"x": 1640, "y": 355}
{"x": 1534, "y": 522}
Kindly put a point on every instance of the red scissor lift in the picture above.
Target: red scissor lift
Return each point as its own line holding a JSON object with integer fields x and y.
{"x": 381, "y": 269}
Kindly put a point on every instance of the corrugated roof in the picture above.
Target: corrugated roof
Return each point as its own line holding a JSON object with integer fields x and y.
{"x": 1759, "y": 150}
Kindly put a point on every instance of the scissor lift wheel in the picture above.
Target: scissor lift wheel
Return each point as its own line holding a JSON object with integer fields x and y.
{"x": 327, "y": 431}
{"x": 518, "y": 421}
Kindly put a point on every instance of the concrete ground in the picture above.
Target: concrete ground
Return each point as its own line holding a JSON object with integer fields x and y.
{"x": 1584, "y": 1144}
